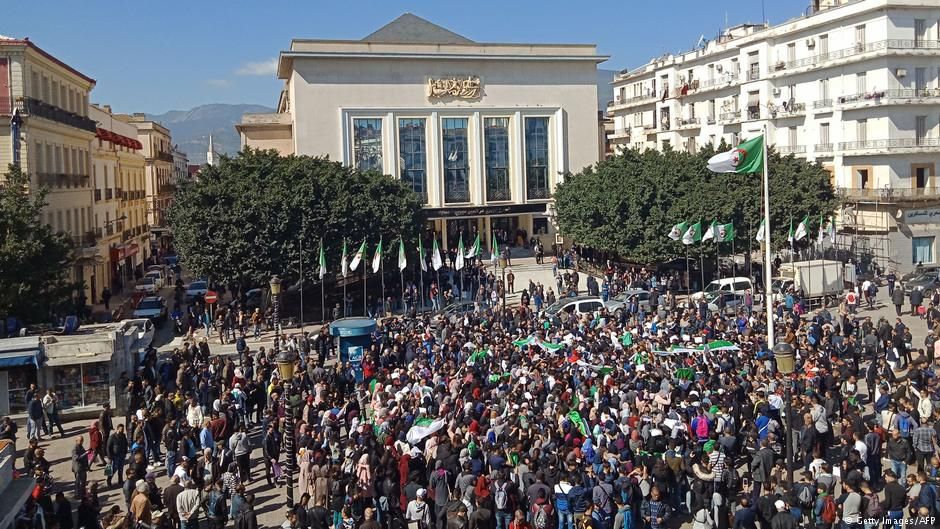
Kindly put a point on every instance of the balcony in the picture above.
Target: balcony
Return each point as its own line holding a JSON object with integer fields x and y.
{"x": 822, "y": 104}
{"x": 87, "y": 240}
{"x": 61, "y": 180}
{"x": 618, "y": 134}
{"x": 710, "y": 120}
{"x": 630, "y": 101}
{"x": 791, "y": 149}
{"x": 456, "y": 194}
{"x": 29, "y": 106}
{"x": 109, "y": 229}
{"x": 753, "y": 74}
{"x": 859, "y": 49}
{"x": 688, "y": 123}
{"x": 752, "y": 113}
{"x": 889, "y": 194}
{"x": 724, "y": 81}
{"x": 729, "y": 116}
{"x": 163, "y": 156}
{"x": 97, "y": 195}
{"x": 914, "y": 144}
{"x": 823, "y": 147}
{"x": 537, "y": 193}
{"x": 788, "y": 110}
{"x": 496, "y": 194}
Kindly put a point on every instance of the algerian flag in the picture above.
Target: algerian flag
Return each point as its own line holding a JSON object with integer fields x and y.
{"x": 693, "y": 234}
{"x": 494, "y": 247}
{"x": 685, "y": 373}
{"x": 745, "y": 158}
{"x": 377, "y": 258}
{"x": 524, "y": 341}
{"x": 790, "y": 235}
{"x": 475, "y": 250}
{"x": 402, "y": 262}
{"x": 761, "y": 232}
{"x": 832, "y": 230}
{"x": 459, "y": 264}
{"x": 710, "y": 232}
{"x": 578, "y": 422}
{"x": 421, "y": 257}
{"x": 822, "y": 231}
{"x": 676, "y": 232}
{"x": 802, "y": 229}
{"x": 478, "y": 356}
{"x": 322, "y": 261}
{"x": 436, "y": 261}
{"x": 344, "y": 264}
{"x": 422, "y": 428}
{"x": 724, "y": 232}
{"x": 358, "y": 257}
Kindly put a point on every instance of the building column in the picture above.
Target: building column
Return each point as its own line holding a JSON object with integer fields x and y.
{"x": 477, "y": 195}
{"x": 435, "y": 167}
{"x": 517, "y": 158}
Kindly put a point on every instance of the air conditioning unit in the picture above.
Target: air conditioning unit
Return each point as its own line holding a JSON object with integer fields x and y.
{"x": 811, "y": 43}
{"x": 901, "y": 72}
{"x": 776, "y": 91}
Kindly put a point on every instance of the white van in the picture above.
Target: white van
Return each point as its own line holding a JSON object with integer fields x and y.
{"x": 727, "y": 284}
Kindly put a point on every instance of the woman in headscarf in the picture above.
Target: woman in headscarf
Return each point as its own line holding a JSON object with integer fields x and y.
{"x": 305, "y": 479}
{"x": 96, "y": 443}
{"x": 364, "y": 477}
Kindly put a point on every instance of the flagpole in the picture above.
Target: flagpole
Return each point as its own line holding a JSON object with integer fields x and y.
{"x": 734, "y": 259}
{"x": 365, "y": 283}
{"x": 421, "y": 280}
{"x": 767, "y": 293}
{"x": 750, "y": 249}
{"x": 401, "y": 273}
{"x": 385, "y": 309}
{"x": 301, "y": 276}
{"x": 344, "y": 265}
{"x": 701, "y": 257}
{"x": 688, "y": 273}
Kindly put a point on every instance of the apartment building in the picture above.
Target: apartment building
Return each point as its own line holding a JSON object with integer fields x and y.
{"x": 53, "y": 139}
{"x": 120, "y": 213}
{"x": 852, "y": 85}
{"x": 481, "y": 131}
{"x": 180, "y": 166}
{"x": 159, "y": 179}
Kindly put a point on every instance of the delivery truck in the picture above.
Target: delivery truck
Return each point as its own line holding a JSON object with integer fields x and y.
{"x": 817, "y": 279}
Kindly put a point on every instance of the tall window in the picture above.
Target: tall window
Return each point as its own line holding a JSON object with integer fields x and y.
{"x": 536, "y": 157}
{"x": 920, "y": 128}
{"x": 456, "y": 164}
{"x": 861, "y": 83}
{"x": 824, "y": 135}
{"x": 922, "y": 249}
{"x": 412, "y": 152}
{"x": 861, "y": 132}
{"x": 367, "y": 144}
{"x": 496, "y": 132}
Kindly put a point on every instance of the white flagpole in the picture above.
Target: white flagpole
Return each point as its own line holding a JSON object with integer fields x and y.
{"x": 768, "y": 295}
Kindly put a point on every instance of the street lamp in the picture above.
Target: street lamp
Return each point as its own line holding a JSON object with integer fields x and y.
{"x": 286, "y": 361}
{"x": 785, "y": 357}
{"x": 502, "y": 265}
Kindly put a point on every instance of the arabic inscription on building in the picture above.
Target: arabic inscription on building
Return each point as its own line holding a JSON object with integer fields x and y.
{"x": 457, "y": 87}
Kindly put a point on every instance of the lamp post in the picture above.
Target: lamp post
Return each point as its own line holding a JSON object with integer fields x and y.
{"x": 275, "y": 299}
{"x": 785, "y": 357}
{"x": 286, "y": 360}
{"x": 502, "y": 266}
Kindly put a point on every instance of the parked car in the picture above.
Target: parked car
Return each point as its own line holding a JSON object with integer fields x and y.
{"x": 732, "y": 301}
{"x": 924, "y": 269}
{"x": 158, "y": 276}
{"x": 196, "y": 288}
{"x": 575, "y": 305}
{"x": 458, "y": 308}
{"x": 927, "y": 283}
{"x": 148, "y": 285}
{"x": 153, "y": 308}
{"x": 728, "y": 284}
{"x": 145, "y": 330}
{"x": 620, "y": 301}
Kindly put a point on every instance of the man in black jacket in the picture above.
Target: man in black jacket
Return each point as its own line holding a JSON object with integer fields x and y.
{"x": 895, "y": 496}
{"x": 117, "y": 454}
{"x": 271, "y": 446}
{"x": 899, "y": 452}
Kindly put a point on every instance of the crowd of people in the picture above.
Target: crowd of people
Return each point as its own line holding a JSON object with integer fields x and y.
{"x": 505, "y": 418}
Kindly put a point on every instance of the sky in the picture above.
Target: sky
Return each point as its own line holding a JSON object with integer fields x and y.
{"x": 165, "y": 55}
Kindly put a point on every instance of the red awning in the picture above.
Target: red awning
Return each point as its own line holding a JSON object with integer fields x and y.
{"x": 118, "y": 139}
{"x": 130, "y": 250}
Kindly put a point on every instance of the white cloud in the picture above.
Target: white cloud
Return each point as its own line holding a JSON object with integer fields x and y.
{"x": 218, "y": 83}
{"x": 268, "y": 67}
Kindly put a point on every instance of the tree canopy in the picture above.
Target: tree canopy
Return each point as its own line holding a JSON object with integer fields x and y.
{"x": 34, "y": 262}
{"x": 628, "y": 203}
{"x": 243, "y": 220}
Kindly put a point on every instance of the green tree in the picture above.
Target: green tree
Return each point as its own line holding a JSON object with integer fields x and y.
{"x": 243, "y": 220}
{"x": 34, "y": 262}
{"x": 627, "y": 204}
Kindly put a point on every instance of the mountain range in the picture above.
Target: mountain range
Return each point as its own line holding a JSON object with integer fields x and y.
{"x": 190, "y": 129}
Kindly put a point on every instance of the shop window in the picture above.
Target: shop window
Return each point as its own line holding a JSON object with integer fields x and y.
{"x": 540, "y": 225}
{"x": 18, "y": 381}
{"x": 922, "y": 250}
{"x": 367, "y": 144}
{"x": 83, "y": 384}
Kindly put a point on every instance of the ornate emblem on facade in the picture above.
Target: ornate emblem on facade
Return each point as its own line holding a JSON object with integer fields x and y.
{"x": 460, "y": 88}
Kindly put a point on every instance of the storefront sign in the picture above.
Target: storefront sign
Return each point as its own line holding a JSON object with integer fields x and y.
{"x": 922, "y": 216}
{"x": 483, "y": 211}
{"x": 461, "y": 88}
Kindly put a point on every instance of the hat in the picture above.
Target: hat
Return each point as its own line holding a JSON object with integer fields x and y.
{"x": 780, "y": 505}
{"x": 422, "y": 493}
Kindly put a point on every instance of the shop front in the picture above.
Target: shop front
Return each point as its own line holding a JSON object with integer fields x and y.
{"x": 79, "y": 369}
{"x": 124, "y": 261}
{"x": 20, "y": 362}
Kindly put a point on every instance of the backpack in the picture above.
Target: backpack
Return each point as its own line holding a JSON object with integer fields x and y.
{"x": 904, "y": 425}
{"x": 805, "y": 496}
{"x": 540, "y": 517}
{"x": 875, "y": 508}
{"x": 829, "y": 511}
{"x": 215, "y": 505}
{"x": 501, "y": 498}
{"x": 561, "y": 501}
{"x": 701, "y": 427}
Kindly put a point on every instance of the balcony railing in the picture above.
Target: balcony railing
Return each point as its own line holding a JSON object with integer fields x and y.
{"x": 823, "y": 147}
{"x": 788, "y": 110}
{"x": 889, "y": 194}
{"x": 495, "y": 194}
{"x": 61, "y": 180}
{"x": 718, "y": 82}
{"x": 536, "y": 193}
{"x": 752, "y": 113}
{"x": 89, "y": 239}
{"x": 688, "y": 122}
{"x": 109, "y": 229}
{"x": 631, "y": 100}
{"x": 822, "y": 103}
{"x": 621, "y": 132}
{"x": 33, "y": 107}
{"x": 710, "y": 120}
{"x": 753, "y": 74}
{"x": 97, "y": 195}
{"x": 456, "y": 194}
{"x": 894, "y": 143}
{"x": 791, "y": 149}
{"x": 858, "y": 49}
{"x": 729, "y": 116}
{"x": 163, "y": 156}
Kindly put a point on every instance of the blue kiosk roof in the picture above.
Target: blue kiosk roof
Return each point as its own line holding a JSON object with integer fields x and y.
{"x": 352, "y": 327}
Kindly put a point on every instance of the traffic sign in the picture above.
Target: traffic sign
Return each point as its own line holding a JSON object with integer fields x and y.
{"x": 211, "y": 297}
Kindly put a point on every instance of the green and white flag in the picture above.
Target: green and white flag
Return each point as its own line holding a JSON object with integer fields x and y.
{"x": 494, "y": 246}
{"x": 693, "y": 234}
{"x": 458, "y": 265}
{"x": 402, "y": 261}
{"x": 421, "y": 257}
{"x": 832, "y": 230}
{"x": 802, "y": 229}
{"x": 344, "y": 265}
{"x": 475, "y": 250}
{"x": 422, "y": 428}
{"x": 710, "y": 232}
{"x": 377, "y": 258}
{"x": 821, "y": 236}
{"x": 761, "y": 233}
{"x": 436, "y": 261}
{"x": 322, "y": 261}
{"x": 745, "y": 158}
{"x": 357, "y": 258}
{"x": 676, "y": 232}
{"x": 724, "y": 232}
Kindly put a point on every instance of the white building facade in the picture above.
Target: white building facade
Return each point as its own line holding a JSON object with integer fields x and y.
{"x": 855, "y": 87}
{"x": 482, "y": 132}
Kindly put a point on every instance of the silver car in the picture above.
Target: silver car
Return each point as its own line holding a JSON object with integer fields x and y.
{"x": 619, "y": 302}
